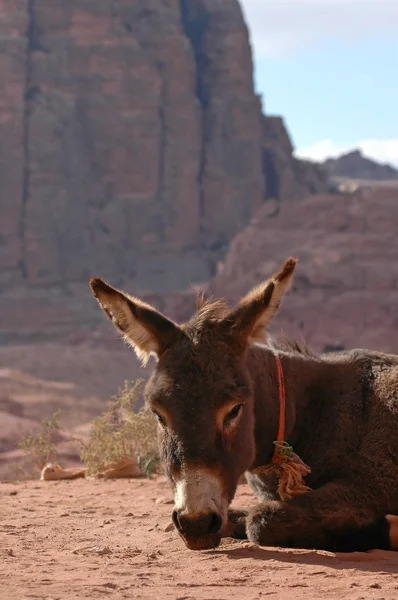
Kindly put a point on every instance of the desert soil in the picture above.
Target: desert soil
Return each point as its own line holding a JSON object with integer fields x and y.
{"x": 98, "y": 539}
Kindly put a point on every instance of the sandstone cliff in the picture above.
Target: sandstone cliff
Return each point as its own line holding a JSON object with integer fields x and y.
{"x": 132, "y": 143}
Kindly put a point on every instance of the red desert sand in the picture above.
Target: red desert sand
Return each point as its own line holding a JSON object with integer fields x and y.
{"x": 97, "y": 539}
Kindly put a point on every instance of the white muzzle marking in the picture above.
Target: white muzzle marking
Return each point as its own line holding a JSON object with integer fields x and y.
{"x": 200, "y": 492}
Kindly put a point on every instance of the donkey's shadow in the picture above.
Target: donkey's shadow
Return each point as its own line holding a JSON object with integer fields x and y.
{"x": 373, "y": 561}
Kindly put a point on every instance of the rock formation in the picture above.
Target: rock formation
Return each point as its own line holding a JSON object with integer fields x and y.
{"x": 287, "y": 178}
{"x": 132, "y": 142}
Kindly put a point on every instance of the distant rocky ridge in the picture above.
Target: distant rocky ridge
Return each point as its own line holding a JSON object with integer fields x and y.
{"x": 354, "y": 171}
{"x": 355, "y": 165}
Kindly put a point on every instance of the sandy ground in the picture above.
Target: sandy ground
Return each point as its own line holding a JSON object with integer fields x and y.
{"x": 98, "y": 539}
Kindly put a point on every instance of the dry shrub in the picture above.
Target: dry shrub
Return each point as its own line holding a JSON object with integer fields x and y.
{"x": 40, "y": 447}
{"x": 123, "y": 431}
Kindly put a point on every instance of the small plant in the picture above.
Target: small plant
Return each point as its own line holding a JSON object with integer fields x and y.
{"x": 123, "y": 432}
{"x": 41, "y": 446}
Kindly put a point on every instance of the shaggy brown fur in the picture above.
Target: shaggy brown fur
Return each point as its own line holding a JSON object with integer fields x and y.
{"x": 214, "y": 390}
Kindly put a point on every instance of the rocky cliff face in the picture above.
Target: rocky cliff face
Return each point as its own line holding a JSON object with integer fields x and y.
{"x": 132, "y": 143}
{"x": 345, "y": 290}
{"x": 287, "y": 178}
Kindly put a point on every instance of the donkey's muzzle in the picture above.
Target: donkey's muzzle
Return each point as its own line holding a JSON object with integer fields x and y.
{"x": 199, "y": 531}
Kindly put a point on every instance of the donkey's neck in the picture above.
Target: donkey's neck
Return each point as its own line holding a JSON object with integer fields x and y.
{"x": 301, "y": 373}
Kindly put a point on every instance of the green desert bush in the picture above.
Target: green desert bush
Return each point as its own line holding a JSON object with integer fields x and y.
{"x": 40, "y": 447}
{"x": 123, "y": 431}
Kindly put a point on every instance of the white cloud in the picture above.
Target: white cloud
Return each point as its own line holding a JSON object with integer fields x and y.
{"x": 284, "y": 27}
{"x": 384, "y": 151}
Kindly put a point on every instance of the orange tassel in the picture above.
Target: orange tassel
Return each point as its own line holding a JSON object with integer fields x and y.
{"x": 290, "y": 470}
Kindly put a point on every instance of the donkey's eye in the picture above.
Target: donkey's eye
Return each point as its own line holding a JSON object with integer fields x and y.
{"x": 233, "y": 414}
{"x": 159, "y": 418}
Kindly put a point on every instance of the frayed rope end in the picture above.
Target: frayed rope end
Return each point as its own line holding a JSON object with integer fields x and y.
{"x": 290, "y": 470}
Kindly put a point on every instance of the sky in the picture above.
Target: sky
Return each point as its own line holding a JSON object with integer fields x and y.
{"x": 330, "y": 68}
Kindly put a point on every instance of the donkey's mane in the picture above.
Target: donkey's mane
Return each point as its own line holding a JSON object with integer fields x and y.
{"x": 210, "y": 309}
{"x": 286, "y": 344}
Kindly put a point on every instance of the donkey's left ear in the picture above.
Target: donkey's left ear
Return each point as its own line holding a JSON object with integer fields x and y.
{"x": 255, "y": 311}
{"x": 143, "y": 327}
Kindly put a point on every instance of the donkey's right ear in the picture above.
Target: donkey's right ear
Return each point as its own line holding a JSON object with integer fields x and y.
{"x": 143, "y": 327}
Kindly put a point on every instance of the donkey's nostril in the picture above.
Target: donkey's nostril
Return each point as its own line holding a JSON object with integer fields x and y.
{"x": 196, "y": 526}
{"x": 176, "y": 521}
{"x": 215, "y": 523}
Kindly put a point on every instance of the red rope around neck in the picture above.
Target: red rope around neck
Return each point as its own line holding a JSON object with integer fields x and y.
{"x": 289, "y": 467}
{"x": 282, "y": 400}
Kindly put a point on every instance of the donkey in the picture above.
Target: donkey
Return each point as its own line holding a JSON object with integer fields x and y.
{"x": 214, "y": 391}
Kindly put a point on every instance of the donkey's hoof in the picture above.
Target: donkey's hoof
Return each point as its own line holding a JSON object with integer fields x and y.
{"x": 236, "y": 526}
{"x": 261, "y": 525}
{"x": 257, "y": 531}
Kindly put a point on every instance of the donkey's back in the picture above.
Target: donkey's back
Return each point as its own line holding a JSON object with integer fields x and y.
{"x": 371, "y": 410}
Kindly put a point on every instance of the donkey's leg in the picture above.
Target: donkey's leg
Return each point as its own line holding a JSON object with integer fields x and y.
{"x": 236, "y": 527}
{"x": 334, "y": 517}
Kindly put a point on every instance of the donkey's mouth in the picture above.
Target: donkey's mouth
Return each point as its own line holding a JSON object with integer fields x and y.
{"x": 206, "y": 543}
{"x": 200, "y": 531}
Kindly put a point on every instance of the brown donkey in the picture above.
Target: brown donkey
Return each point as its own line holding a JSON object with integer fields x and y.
{"x": 215, "y": 393}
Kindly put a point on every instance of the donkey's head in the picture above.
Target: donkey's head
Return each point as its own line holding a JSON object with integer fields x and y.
{"x": 200, "y": 392}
